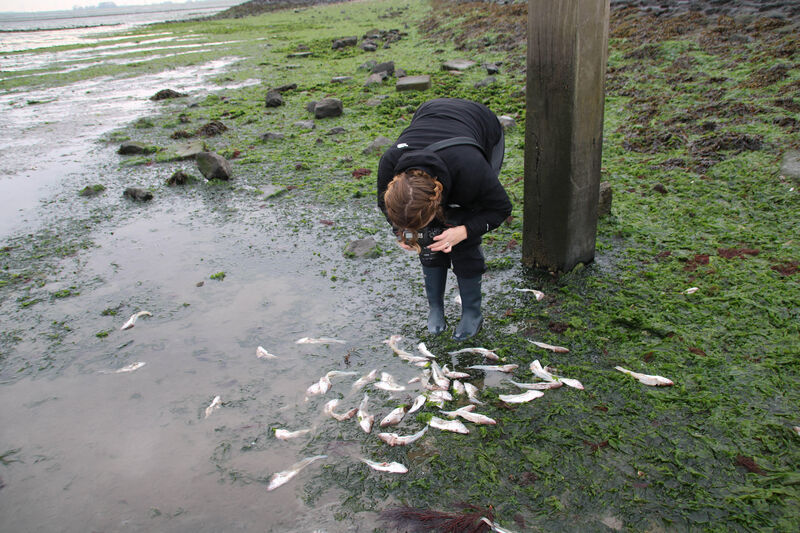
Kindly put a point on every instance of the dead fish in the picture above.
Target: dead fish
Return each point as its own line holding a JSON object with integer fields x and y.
{"x": 215, "y": 404}
{"x": 393, "y": 439}
{"x": 261, "y": 353}
{"x": 544, "y": 345}
{"x": 331, "y": 405}
{"x": 467, "y": 414}
{"x": 402, "y": 354}
{"x": 448, "y": 425}
{"x": 494, "y": 527}
{"x": 458, "y": 388}
{"x": 388, "y": 383}
{"x": 365, "y": 379}
{"x": 544, "y": 385}
{"x": 452, "y": 374}
{"x": 537, "y": 294}
{"x": 472, "y": 393}
{"x": 521, "y": 398}
{"x": 539, "y": 372}
{"x": 320, "y": 387}
{"x": 394, "y": 417}
{"x": 394, "y": 468}
{"x": 419, "y": 401}
{"x": 691, "y": 290}
{"x": 655, "y": 381}
{"x": 796, "y": 429}
{"x": 495, "y": 368}
{"x": 488, "y": 354}
{"x": 132, "y": 320}
{"x": 127, "y": 368}
{"x": 319, "y": 340}
{"x": 280, "y": 478}
{"x": 438, "y": 377}
{"x": 574, "y": 383}
{"x": 365, "y": 420}
{"x": 424, "y": 351}
{"x": 285, "y": 434}
{"x": 417, "y": 379}
{"x": 440, "y": 395}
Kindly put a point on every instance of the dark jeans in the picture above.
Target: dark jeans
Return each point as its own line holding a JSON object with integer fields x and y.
{"x": 466, "y": 257}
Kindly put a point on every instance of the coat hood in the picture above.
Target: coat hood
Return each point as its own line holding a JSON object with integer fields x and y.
{"x": 428, "y": 162}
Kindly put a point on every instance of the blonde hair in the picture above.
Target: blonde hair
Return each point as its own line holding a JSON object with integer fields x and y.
{"x": 413, "y": 199}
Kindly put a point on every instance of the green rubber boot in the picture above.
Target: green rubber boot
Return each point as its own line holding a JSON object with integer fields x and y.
{"x": 471, "y": 317}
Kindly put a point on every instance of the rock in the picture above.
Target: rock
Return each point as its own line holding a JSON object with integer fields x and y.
{"x": 134, "y": 148}
{"x": 213, "y": 166}
{"x": 375, "y": 79}
{"x": 344, "y": 42}
{"x": 285, "y": 87}
{"x": 507, "y": 122}
{"x": 328, "y": 107}
{"x": 362, "y": 248}
{"x": 341, "y": 79}
{"x": 165, "y": 94}
{"x": 485, "y": 82}
{"x": 604, "y": 201}
{"x": 92, "y": 190}
{"x": 369, "y": 46}
{"x": 367, "y": 65}
{"x": 457, "y": 64}
{"x": 336, "y": 131}
{"x": 215, "y": 127}
{"x": 378, "y": 146}
{"x": 189, "y": 150}
{"x": 387, "y": 67}
{"x": 181, "y": 134}
{"x": 413, "y": 83}
{"x": 790, "y": 165}
{"x": 271, "y": 136}
{"x": 299, "y": 54}
{"x": 273, "y": 98}
{"x": 491, "y": 68}
{"x": 311, "y": 105}
{"x": 178, "y": 178}
{"x": 137, "y": 195}
{"x": 305, "y": 124}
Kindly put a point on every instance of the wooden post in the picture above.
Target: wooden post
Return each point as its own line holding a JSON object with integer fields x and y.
{"x": 567, "y": 54}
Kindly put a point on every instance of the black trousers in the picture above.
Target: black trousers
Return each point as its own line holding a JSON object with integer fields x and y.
{"x": 466, "y": 257}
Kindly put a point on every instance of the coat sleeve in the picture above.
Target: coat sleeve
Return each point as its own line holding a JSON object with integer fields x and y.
{"x": 481, "y": 193}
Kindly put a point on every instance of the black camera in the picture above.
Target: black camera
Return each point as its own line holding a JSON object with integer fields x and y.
{"x": 425, "y": 235}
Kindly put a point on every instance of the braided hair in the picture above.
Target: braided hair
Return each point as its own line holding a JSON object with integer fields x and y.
{"x": 413, "y": 199}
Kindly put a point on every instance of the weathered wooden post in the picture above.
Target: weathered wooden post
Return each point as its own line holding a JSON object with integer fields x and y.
{"x": 567, "y": 54}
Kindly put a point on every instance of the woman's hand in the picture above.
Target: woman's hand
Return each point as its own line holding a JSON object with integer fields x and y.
{"x": 445, "y": 241}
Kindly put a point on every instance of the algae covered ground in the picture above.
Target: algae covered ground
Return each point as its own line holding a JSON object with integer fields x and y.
{"x": 699, "y": 112}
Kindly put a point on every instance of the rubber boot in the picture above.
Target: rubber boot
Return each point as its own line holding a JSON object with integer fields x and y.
{"x": 435, "y": 280}
{"x": 471, "y": 317}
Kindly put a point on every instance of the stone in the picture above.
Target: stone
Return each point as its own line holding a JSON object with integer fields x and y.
{"x": 367, "y": 65}
{"x": 305, "y": 124}
{"x": 299, "y": 54}
{"x": 328, "y": 107}
{"x": 375, "y": 79}
{"x": 165, "y": 94}
{"x": 387, "y": 67}
{"x": 491, "y": 68}
{"x": 378, "y": 146}
{"x": 790, "y": 165}
{"x": 507, "y": 122}
{"x": 215, "y": 127}
{"x": 134, "y": 148}
{"x": 341, "y": 79}
{"x": 362, "y": 248}
{"x": 311, "y": 105}
{"x": 285, "y": 87}
{"x": 178, "y": 178}
{"x": 485, "y": 82}
{"x": 91, "y": 191}
{"x": 369, "y": 46}
{"x": 273, "y": 98}
{"x": 272, "y": 136}
{"x": 604, "y": 201}
{"x": 400, "y": 73}
{"x": 213, "y": 166}
{"x": 344, "y": 42}
{"x": 137, "y": 195}
{"x": 336, "y": 131}
{"x": 457, "y": 64}
{"x": 413, "y": 83}
{"x": 189, "y": 150}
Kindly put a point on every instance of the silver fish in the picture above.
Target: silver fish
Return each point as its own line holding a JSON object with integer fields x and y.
{"x": 280, "y": 478}
{"x": 496, "y": 368}
{"x": 544, "y": 345}
{"x": 319, "y": 340}
{"x": 439, "y": 377}
{"x": 458, "y": 388}
{"x": 419, "y": 401}
{"x": 215, "y": 404}
{"x": 394, "y": 417}
{"x": 393, "y": 439}
{"x": 521, "y": 398}
{"x": 388, "y": 383}
{"x": 467, "y": 414}
{"x": 440, "y": 395}
{"x": 285, "y": 434}
{"x": 132, "y": 320}
{"x": 127, "y": 368}
{"x": 488, "y": 354}
{"x": 331, "y": 405}
{"x": 363, "y": 380}
{"x": 539, "y": 372}
{"x": 655, "y": 381}
{"x": 574, "y": 383}
{"x": 472, "y": 393}
{"x": 448, "y": 425}
{"x": 542, "y": 385}
{"x": 261, "y": 353}
{"x": 394, "y": 468}
{"x": 416, "y": 379}
{"x": 424, "y": 351}
{"x": 537, "y": 294}
{"x": 402, "y": 354}
{"x": 452, "y": 374}
{"x": 691, "y": 290}
{"x": 320, "y": 387}
{"x": 365, "y": 420}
